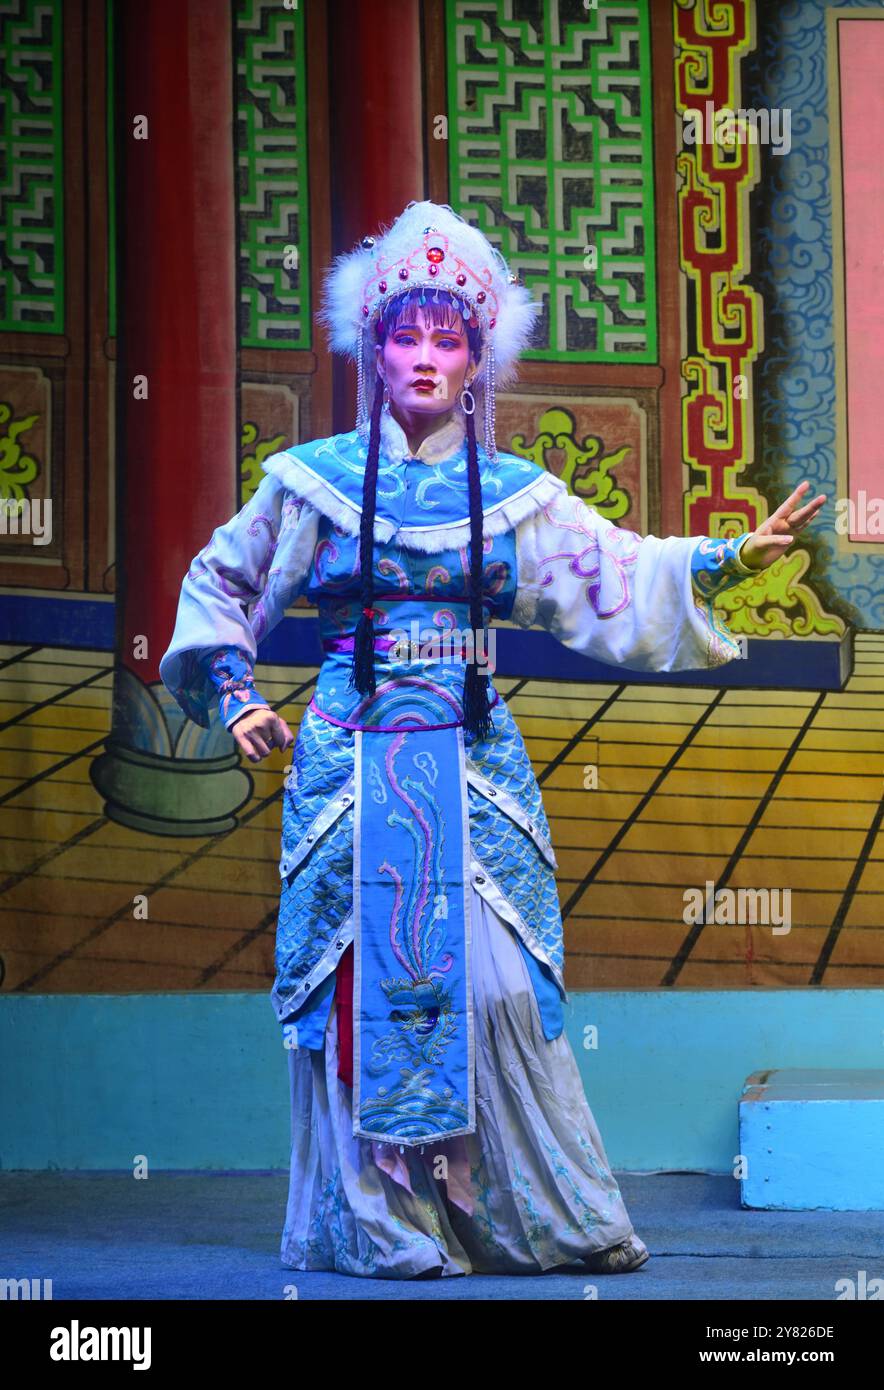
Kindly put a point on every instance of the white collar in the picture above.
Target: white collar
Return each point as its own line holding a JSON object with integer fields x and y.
{"x": 439, "y": 445}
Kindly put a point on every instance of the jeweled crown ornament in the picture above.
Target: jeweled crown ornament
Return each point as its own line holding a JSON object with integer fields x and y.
{"x": 430, "y": 247}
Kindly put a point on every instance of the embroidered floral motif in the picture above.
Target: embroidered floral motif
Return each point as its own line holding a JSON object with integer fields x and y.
{"x": 588, "y": 1214}
{"x": 410, "y": 1238}
{"x": 483, "y": 1222}
{"x": 537, "y": 1233}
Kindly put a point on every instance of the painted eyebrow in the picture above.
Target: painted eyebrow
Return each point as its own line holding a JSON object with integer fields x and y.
{"x": 455, "y": 331}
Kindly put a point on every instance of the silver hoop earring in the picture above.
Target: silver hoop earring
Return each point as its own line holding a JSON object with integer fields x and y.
{"x": 464, "y": 392}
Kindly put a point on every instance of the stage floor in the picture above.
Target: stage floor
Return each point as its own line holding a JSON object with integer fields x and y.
{"x": 217, "y": 1236}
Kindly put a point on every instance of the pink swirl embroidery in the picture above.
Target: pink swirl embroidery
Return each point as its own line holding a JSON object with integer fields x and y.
{"x": 326, "y": 550}
{"x": 444, "y": 618}
{"x": 233, "y": 581}
{"x": 390, "y": 569}
{"x": 437, "y": 574}
{"x": 291, "y": 512}
{"x": 496, "y": 576}
{"x": 599, "y": 556}
{"x": 464, "y": 553}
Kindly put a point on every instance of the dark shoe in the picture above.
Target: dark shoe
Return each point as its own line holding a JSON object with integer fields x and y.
{"x": 619, "y": 1259}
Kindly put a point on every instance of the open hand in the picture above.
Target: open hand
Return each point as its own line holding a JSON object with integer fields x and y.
{"x": 774, "y": 536}
{"x": 260, "y": 731}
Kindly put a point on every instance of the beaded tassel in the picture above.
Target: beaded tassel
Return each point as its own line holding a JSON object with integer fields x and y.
{"x": 361, "y": 407}
{"x": 490, "y": 443}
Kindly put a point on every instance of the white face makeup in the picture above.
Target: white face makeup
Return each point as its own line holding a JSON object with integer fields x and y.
{"x": 424, "y": 366}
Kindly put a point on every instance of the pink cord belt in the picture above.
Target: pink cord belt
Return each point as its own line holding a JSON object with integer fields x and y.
{"x": 386, "y": 644}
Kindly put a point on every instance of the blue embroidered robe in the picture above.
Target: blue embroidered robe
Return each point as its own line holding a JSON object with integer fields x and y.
{"x": 390, "y": 814}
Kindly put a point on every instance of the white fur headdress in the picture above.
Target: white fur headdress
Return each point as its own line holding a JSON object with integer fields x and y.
{"x": 429, "y": 246}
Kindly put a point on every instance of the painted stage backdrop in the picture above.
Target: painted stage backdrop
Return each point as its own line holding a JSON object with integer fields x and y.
{"x": 694, "y": 192}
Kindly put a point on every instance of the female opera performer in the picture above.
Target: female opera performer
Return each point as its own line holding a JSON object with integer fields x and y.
{"x": 439, "y": 1123}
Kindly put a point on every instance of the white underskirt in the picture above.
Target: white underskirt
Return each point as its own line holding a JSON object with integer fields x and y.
{"x": 530, "y": 1189}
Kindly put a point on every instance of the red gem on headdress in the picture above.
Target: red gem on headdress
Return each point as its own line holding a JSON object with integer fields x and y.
{"x": 433, "y": 269}
{"x": 383, "y": 287}
{"x": 461, "y": 279}
{"x": 435, "y": 253}
{"x": 403, "y": 274}
{"x": 481, "y": 296}
{"x": 365, "y": 310}
{"x": 492, "y": 323}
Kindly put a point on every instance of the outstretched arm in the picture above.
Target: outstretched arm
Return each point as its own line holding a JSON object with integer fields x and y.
{"x": 641, "y": 602}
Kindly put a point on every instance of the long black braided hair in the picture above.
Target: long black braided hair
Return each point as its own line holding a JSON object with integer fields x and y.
{"x": 476, "y": 694}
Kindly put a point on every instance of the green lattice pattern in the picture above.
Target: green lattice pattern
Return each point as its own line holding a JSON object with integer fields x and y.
{"x": 31, "y": 208}
{"x": 551, "y": 153}
{"x": 273, "y": 229}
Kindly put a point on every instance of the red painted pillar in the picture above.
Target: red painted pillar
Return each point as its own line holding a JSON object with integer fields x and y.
{"x": 178, "y": 448}
{"x": 177, "y": 415}
{"x": 376, "y": 130}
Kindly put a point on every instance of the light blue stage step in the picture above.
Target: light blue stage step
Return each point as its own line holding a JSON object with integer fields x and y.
{"x": 813, "y": 1138}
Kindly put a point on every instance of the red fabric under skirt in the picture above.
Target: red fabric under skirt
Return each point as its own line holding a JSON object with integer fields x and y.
{"x": 344, "y": 1010}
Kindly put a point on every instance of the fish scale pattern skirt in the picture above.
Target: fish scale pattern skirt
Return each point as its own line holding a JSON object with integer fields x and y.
{"x": 529, "y": 1190}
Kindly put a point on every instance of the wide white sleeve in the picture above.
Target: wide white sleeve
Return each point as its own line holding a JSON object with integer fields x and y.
{"x": 611, "y": 594}
{"x": 237, "y": 589}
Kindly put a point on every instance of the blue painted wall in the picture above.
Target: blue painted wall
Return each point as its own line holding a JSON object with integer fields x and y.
{"x": 793, "y": 268}
{"x": 200, "y": 1080}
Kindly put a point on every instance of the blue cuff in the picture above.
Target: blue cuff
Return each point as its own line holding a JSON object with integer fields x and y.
{"x": 546, "y": 992}
{"x": 230, "y": 671}
{"x": 307, "y": 1028}
{"x": 716, "y": 565}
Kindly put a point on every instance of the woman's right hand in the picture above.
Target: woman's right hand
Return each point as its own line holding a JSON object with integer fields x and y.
{"x": 259, "y": 732}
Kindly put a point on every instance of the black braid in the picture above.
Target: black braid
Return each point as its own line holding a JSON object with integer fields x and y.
{"x": 476, "y": 697}
{"x": 362, "y": 675}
